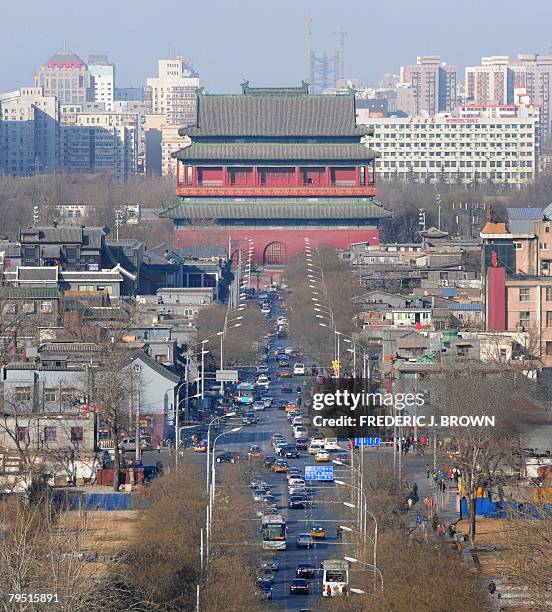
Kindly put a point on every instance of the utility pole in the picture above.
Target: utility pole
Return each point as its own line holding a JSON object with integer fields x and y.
{"x": 138, "y": 454}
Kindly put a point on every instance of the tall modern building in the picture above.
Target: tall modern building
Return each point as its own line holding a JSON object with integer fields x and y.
{"x": 433, "y": 82}
{"x": 102, "y": 80}
{"x": 275, "y": 166}
{"x": 65, "y": 76}
{"x": 173, "y": 92}
{"x": 29, "y": 131}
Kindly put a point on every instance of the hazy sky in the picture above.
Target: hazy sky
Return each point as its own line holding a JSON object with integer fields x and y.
{"x": 264, "y": 41}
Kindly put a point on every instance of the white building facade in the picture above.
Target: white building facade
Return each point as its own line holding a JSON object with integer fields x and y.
{"x": 460, "y": 148}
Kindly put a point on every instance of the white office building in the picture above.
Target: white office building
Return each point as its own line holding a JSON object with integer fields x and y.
{"x": 463, "y": 147}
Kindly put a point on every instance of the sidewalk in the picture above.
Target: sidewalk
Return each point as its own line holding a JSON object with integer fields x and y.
{"x": 443, "y": 503}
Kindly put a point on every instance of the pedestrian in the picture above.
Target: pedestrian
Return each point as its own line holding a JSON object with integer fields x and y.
{"x": 339, "y": 533}
{"x": 409, "y": 503}
{"x": 415, "y": 489}
{"x": 434, "y": 522}
{"x": 159, "y": 448}
{"x": 428, "y": 470}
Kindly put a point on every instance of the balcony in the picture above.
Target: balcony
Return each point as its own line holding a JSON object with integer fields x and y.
{"x": 188, "y": 191}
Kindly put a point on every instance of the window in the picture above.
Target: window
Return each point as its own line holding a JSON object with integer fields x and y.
{"x": 23, "y": 394}
{"x": 50, "y": 395}
{"x": 518, "y": 246}
{"x": 50, "y": 434}
{"x": 549, "y": 294}
{"x": 77, "y": 434}
{"x": 46, "y": 307}
{"x": 23, "y": 434}
{"x": 548, "y": 348}
{"x": 67, "y": 395}
{"x": 524, "y": 318}
{"x": 524, "y": 294}
{"x": 543, "y": 246}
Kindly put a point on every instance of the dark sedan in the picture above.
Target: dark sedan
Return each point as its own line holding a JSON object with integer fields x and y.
{"x": 228, "y": 457}
{"x": 299, "y": 586}
{"x": 296, "y": 502}
{"x": 290, "y": 452}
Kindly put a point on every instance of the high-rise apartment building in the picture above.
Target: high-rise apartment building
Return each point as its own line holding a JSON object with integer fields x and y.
{"x": 433, "y": 82}
{"x": 29, "y": 129}
{"x": 102, "y": 80}
{"x": 173, "y": 92}
{"x": 65, "y": 76}
{"x": 495, "y": 80}
{"x": 491, "y": 83}
{"x": 97, "y": 141}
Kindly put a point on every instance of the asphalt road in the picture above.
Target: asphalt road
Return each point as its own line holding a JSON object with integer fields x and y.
{"x": 323, "y": 512}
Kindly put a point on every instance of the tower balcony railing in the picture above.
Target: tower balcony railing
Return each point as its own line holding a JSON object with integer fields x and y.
{"x": 367, "y": 190}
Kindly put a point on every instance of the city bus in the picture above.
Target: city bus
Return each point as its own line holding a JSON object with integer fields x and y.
{"x": 274, "y": 532}
{"x": 335, "y": 577}
{"x": 246, "y": 393}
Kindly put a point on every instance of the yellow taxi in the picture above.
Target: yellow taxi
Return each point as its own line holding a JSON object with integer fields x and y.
{"x": 317, "y": 532}
{"x": 254, "y": 452}
{"x": 322, "y": 456}
{"x": 200, "y": 447}
{"x": 280, "y": 466}
{"x": 285, "y": 373}
{"x": 291, "y": 407}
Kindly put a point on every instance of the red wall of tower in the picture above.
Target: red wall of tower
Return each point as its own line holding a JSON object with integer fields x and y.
{"x": 496, "y": 299}
{"x": 292, "y": 238}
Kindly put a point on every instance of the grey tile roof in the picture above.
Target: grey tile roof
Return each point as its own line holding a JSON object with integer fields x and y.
{"x": 69, "y": 347}
{"x": 37, "y": 274}
{"x": 525, "y": 214}
{"x": 22, "y": 293}
{"x": 280, "y": 151}
{"x": 89, "y": 237}
{"x": 277, "y": 210}
{"x": 240, "y": 115}
{"x": 108, "y": 275}
{"x": 156, "y": 367}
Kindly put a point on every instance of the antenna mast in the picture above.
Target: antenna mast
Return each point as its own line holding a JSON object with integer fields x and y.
{"x": 341, "y": 35}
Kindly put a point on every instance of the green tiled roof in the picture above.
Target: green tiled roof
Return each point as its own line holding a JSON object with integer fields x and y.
{"x": 277, "y": 210}
{"x": 275, "y": 152}
{"x": 28, "y": 293}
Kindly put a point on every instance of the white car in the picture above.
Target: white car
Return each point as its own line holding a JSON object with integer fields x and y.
{"x": 299, "y": 369}
{"x": 299, "y": 482}
{"x": 258, "y": 405}
{"x": 263, "y": 381}
{"x": 300, "y": 431}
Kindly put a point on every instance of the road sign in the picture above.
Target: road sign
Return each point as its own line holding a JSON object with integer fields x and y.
{"x": 227, "y": 375}
{"x": 370, "y": 441}
{"x": 319, "y": 472}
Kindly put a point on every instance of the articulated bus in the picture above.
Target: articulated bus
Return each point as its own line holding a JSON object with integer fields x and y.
{"x": 274, "y": 532}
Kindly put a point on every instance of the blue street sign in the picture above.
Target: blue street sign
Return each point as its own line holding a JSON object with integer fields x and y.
{"x": 371, "y": 441}
{"x": 319, "y": 472}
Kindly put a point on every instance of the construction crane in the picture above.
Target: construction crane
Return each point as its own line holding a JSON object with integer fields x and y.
{"x": 341, "y": 34}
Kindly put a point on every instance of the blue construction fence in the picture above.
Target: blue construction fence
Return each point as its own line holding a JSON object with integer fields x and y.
{"x": 500, "y": 510}
{"x": 83, "y": 500}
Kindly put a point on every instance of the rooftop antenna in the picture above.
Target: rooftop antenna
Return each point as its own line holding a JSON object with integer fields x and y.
{"x": 309, "y": 19}
{"x": 341, "y": 35}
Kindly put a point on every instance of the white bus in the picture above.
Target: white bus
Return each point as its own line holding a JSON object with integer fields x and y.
{"x": 274, "y": 532}
{"x": 335, "y": 577}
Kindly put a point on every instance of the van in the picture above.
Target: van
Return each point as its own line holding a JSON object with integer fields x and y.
{"x": 297, "y": 420}
{"x": 299, "y": 369}
{"x": 300, "y": 431}
{"x": 330, "y": 444}
{"x": 315, "y": 446}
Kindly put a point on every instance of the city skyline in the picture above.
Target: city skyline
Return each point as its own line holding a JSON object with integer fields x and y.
{"x": 221, "y": 49}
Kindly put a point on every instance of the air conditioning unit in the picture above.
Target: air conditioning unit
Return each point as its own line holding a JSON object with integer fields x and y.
{"x": 137, "y": 367}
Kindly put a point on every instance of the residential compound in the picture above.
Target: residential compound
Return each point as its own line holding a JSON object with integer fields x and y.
{"x": 470, "y": 145}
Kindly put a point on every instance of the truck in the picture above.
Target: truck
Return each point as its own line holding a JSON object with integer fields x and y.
{"x": 335, "y": 577}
